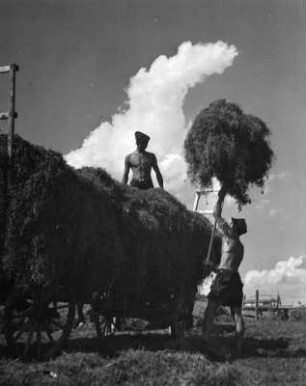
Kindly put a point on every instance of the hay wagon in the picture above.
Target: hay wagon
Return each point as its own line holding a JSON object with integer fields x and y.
{"x": 77, "y": 236}
{"x": 37, "y": 323}
{"x": 38, "y": 320}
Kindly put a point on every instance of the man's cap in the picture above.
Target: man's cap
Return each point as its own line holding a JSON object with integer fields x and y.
{"x": 141, "y": 137}
{"x": 240, "y": 225}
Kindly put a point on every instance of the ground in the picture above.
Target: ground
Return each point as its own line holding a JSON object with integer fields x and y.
{"x": 274, "y": 354}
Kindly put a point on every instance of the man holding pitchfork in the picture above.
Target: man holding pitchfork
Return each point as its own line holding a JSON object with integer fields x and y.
{"x": 226, "y": 289}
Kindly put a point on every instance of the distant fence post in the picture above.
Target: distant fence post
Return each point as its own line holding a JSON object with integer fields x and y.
{"x": 257, "y": 306}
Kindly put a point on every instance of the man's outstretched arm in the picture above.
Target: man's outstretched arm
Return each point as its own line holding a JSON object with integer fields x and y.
{"x": 126, "y": 170}
{"x": 218, "y": 207}
{"x": 221, "y": 223}
{"x": 159, "y": 177}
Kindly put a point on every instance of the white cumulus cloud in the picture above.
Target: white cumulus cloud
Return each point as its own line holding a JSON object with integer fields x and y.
{"x": 288, "y": 278}
{"x": 155, "y": 98}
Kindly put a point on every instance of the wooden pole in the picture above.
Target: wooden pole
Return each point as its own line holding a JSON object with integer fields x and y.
{"x": 11, "y": 124}
{"x": 12, "y": 113}
{"x": 196, "y": 203}
{"x": 211, "y": 241}
{"x": 6, "y": 147}
{"x": 257, "y": 306}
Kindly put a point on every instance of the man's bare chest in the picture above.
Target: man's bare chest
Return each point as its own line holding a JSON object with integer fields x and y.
{"x": 140, "y": 160}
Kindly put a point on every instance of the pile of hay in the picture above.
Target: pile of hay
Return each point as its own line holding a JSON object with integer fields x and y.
{"x": 82, "y": 229}
{"x": 137, "y": 368}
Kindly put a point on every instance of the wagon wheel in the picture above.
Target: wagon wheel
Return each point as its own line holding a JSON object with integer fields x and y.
{"x": 104, "y": 324}
{"x": 34, "y": 328}
{"x": 177, "y": 325}
{"x": 177, "y": 328}
{"x": 103, "y": 321}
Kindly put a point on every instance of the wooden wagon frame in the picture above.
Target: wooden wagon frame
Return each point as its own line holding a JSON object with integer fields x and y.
{"x": 37, "y": 325}
{"x": 36, "y": 322}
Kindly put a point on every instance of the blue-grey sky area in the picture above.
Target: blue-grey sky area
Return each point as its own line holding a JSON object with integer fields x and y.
{"x": 77, "y": 59}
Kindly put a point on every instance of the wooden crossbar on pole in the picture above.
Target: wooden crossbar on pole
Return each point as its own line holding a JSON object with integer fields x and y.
{"x": 199, "y": 193}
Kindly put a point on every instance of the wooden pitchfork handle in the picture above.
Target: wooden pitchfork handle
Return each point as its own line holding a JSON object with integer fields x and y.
{"x": 212, "y": 236}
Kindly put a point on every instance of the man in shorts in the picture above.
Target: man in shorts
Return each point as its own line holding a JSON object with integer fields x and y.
{"x": 141, "y": 163}
{"x": 227, "y": 286}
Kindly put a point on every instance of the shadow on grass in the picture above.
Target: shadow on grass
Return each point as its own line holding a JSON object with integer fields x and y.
{"x": 271, "y": 348}
{"x": 192, "y": 342}
{"x": 112, "y": 345}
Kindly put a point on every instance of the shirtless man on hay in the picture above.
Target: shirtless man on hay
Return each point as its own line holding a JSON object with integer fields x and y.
{"x": 227, "y": 287}
{"x": 141, "y": 162}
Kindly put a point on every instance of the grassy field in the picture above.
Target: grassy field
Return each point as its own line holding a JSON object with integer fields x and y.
{"x": 274, "y": 354}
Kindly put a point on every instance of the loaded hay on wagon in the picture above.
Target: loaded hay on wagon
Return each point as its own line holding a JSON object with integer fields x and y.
{"x": 82, "y": 230}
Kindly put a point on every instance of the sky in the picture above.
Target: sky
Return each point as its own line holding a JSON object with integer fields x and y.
{"x": 92, "y": 72}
